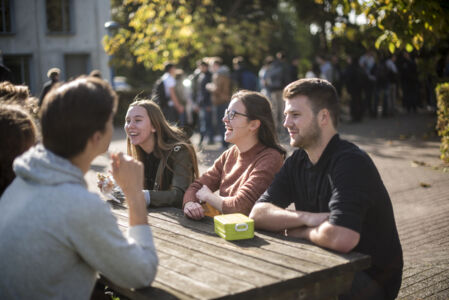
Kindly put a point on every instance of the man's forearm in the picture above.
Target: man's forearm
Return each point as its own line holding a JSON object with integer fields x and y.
{"x": 270, "y": 217}
{"x": 175, "y": 99}
{"x": 328, "y": 236}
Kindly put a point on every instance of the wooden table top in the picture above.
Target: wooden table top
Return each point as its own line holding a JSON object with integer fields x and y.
{"x": 195, "y": 263}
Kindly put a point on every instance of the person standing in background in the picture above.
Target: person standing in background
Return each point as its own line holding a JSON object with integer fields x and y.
{"x": 203, "y": 100}
{"x": 174, "y": 108}
{"x": 276, "y": 78}
{"x": 263, "y": 76}
{"x": 53, "y": 75}
{"x": 242, "y": 77}
{"x": 220, "y": 88}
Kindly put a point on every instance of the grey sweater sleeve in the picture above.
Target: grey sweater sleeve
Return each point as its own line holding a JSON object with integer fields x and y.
{"x": 130, "y": 262}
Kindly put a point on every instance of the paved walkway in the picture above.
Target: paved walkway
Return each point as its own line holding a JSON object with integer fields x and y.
{"x": 406, "y": 152}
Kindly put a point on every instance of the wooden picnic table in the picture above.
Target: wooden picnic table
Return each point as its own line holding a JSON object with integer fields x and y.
{"x": 195, "y": 263}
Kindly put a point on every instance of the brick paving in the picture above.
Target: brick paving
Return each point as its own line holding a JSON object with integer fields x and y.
{"x": 405, "y": 149}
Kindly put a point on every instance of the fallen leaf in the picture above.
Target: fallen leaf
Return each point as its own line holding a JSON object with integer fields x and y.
{"x": 424, "y": 185}
{"x": 416, "y": 163}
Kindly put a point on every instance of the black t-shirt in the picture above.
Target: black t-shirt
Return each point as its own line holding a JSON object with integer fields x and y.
{"x": 346, "y": 183}
{"x": 151, "y": 164}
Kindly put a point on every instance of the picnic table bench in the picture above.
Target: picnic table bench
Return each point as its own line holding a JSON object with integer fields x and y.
{"x": 195, "y": 263}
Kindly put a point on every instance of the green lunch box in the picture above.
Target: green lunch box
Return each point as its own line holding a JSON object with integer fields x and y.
{"x": 234, "y": 227}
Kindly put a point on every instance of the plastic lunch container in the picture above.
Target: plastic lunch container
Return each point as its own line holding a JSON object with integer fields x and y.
{"x": 234, "y": 227}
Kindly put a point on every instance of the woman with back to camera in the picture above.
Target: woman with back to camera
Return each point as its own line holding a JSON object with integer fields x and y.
{"x": 169, "y": 159}
{"x": 243, "y": 172}
{"x": 17, "y": 133}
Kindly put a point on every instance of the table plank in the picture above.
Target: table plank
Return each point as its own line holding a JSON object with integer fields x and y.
{"x": 241, "y": 273}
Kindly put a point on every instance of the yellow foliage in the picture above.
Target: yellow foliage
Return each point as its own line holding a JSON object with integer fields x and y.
{"x": 169, "y": 7}
{"x": 188, "y": 19}
{"x": 171, "y": 30}
{"x": 391, "y": 47}
{"x": 185, "y": 31}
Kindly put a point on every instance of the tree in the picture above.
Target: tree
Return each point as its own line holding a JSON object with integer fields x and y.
{"x": 156, "y": 31}
{"x": 409, "y": 24}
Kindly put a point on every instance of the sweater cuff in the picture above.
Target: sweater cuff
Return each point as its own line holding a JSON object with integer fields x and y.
{"x": 146, "y": 194}
{"x": 141, "y": 235}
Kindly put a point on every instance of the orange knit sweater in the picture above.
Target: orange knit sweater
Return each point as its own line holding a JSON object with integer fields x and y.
{"x": 240, "y": 177}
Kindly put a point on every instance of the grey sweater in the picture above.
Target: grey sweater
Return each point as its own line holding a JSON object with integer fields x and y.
{"x": 55, "y": 235}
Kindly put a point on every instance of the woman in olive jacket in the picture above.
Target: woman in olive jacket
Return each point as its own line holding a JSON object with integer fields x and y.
{"x": 169, "y": 158}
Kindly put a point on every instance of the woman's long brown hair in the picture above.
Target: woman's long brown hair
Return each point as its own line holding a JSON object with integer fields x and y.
{"x": 167, "y": 136}
{"x": 258, "y": 108}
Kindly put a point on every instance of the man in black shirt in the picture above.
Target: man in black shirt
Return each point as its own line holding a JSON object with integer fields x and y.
{"x": 341, "y": 202}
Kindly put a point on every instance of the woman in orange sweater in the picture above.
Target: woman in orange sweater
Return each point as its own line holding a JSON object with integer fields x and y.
{"x": 243, "y": 172}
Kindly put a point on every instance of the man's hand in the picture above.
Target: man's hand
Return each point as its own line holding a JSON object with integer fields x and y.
{"x": 180, "y": 109}
{"x": 211, "y": 87}
{"x": 299, "y": 232}
{"x": 194, "y": 210}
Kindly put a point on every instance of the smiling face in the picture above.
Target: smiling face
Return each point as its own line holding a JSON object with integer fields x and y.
{"x": 239, "y": 128}
{"x": 138, "y": 126}
{"x": 301, "y": 123}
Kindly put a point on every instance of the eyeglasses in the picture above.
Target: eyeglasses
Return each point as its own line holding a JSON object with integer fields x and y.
{"x": 230, "y": 114}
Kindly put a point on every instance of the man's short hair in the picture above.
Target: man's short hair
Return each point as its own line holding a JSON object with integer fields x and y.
{"x": 168, "y": 67}
{"x": 217, "y": 60}
{"x": 73, "y": 112}
{"x": 321, "y": 94}
{"x": 96, "y": 73}
{"x": 239, "y": 60}
{"x": 52, "y": 72}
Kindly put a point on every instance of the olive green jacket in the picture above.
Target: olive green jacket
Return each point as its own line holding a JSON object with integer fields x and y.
{"x": 172, "y": 181}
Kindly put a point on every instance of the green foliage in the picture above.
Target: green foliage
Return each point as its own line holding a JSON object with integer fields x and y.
{"x": 153, "y": 32}
{"x": 408, "y": 24}
{"x": 158, "y": 31}
{"x": 443, "y": 119}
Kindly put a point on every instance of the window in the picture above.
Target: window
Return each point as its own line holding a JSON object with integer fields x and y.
{"x": 59, "y": 18}
{"x": 20, "y": 68}
{"x": 6, "y": 16}
{"x": 76, "y": 65}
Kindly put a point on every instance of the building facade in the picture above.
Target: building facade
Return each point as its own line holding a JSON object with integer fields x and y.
{"x": 36, "y": 35}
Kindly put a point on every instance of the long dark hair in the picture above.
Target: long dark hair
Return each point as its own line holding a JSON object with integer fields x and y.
{"x": 167, "y": 136}
{"x": 258, "y": 108}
